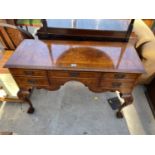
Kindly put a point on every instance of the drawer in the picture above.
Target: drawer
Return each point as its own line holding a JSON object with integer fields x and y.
{"x": 31, "y": 81}
{"x": 28, "y": 72}
{"x": 74, "y": 74}
{"x": 116, "y": 84}
{"x": 122, "y": 90}
{"x": 85, "y": 81}
{"x": 120, "y": 76}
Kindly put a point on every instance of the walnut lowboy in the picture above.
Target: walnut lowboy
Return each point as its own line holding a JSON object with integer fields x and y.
{"x": 101, "y": 66}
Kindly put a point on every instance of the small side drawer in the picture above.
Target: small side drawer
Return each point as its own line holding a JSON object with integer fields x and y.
{"x": 122, "y": 89}
{"x": 74, "y": 74}
{"x": 119, "y": 76}
{"x": 116, "y": 84}
{"x": 27, "y": 72}
{"x": 31, "y": 81}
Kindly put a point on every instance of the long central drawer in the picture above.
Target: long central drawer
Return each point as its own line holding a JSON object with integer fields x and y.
{"x": 78, "y": 74}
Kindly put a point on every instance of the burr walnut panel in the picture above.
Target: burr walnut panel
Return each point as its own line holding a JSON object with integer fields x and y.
{"x": 78, "y": 55}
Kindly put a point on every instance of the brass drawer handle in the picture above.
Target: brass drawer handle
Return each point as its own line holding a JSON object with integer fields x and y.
{"x": 31, "y": 81}
{"x": 119, "y": 76}
{"x": 28, "y": 72}
{"x": 116, "y": 84}
{"x": 74, "y": 74}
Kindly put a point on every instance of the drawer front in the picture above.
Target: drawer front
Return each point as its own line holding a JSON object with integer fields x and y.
{"x": 74, "y": 74}
{"x": 28, "y": 72}
{"x": 21, "y": 81}
{"x": 116, "y": 84}
{"x": 119, "y": 76}
{"x": 122, "y": 90}
{"x": 86, "y": 81}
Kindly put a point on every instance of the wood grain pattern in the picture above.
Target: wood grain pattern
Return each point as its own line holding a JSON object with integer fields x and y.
{"x": 30, "y": 54}
{"x": 106, "y": 56}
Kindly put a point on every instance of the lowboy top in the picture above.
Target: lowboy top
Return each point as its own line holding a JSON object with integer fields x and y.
{"x": 76, "y": 55}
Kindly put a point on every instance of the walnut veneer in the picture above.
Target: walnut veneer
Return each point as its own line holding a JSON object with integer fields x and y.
{"x": 101, "y": 66}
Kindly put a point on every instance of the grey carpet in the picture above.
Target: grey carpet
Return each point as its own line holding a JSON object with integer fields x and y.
{"x": 71, "y": 110}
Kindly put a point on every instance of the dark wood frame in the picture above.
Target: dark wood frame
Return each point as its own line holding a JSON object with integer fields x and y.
{"x": 83, "y": 34}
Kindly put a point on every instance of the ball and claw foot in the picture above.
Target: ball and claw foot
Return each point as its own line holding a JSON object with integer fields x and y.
{"x": 119, "y": 114}
{"x": 30, "y": 110}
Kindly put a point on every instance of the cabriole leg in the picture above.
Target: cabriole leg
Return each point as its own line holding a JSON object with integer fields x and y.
{"x": 128, "y": 99}
{"x": 24, "y": 95}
